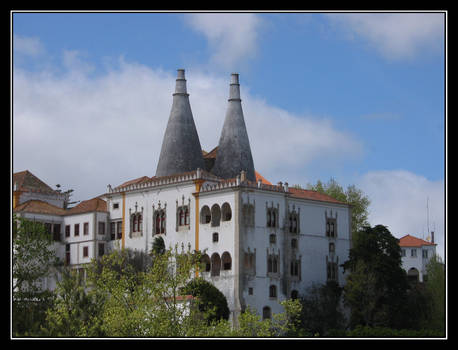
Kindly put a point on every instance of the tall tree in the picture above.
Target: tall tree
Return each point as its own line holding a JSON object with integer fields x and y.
{"x": 435, "y": 286}
{"x": 33, "y": 260}
{"x": 377, "y": 285}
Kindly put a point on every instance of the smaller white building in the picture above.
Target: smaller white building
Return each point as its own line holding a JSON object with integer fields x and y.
{"x": 416, "y": 254}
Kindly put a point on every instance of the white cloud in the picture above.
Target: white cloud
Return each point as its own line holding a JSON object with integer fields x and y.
{"x": 399, "y": 200}
{"x": 86, "y": 132}
{"x": 29, "y": 46}
{"x": 232, "y": 37}
{"x": 395, "y": 35}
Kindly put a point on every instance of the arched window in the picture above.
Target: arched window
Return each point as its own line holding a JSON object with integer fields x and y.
{"x": 269, "y": 264}
{"x": 216, "y": 264}
{"x": 205, "y": 215}
{"x": 226, "y": 212}
{"x": 215, "y": 215}
{"x": 206, "y": 264}
{"x": 266, "y": 314}
{"x": 272, "y": 291}
{"x": 294, "y": 268}
{"x": 226, "y": 260}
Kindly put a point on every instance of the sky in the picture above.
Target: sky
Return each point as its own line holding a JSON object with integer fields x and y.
{"x": 358, "y": 97}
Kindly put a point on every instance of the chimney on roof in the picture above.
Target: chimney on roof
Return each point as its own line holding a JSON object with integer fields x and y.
{"x": 181, "y": 151}
{"x": 234, "y": 152}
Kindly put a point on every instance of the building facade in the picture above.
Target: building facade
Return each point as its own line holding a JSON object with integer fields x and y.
{"x": 416, "y": 254}
{"x": 261, "y": 243}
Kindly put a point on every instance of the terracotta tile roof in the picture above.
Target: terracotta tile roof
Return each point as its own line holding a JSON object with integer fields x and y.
{"x": 39, "y": 207}
{"x": 27, "y": 182}
{"x": 91, "y": 205}
{"x": 211, "y": 154}
{"x": 411, "y": 241}
{"x": 313, "y": 195}
{"x": 262, "y": 178}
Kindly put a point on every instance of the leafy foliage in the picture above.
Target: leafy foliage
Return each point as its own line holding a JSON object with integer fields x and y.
{"x": 209, "y": 299}
{"x": 377, "y": 285}
{"x": 321, "y": 309}
{"x": 33, "y": 260}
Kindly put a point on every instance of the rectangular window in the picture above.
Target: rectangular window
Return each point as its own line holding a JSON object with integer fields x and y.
{"x": 77, "y": 230}
{"x": 425, "y": 254}
{"x": 67, "y": 230}
{"x": 403, "y": 252}
{"x": 48, "y": 227}
{"x": 67, "y": 254}
{"x": 115, "y": 205}
{"x": 86, "y": 228}
{"x": 413, "y": 253}
{"x": 56, "y": 232}
{"x": 101, "y": 249}
{"x": 331, "y": 228}
{"x": 112, "y": 231}
{"x": 85, "y": 252}
{"x": 101, "y": 228}
{"x": 119, "y": 229}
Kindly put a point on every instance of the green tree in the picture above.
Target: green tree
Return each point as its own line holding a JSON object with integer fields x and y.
{"x": 352, "y": 195}
{"x": 376, "y": 287}
{"x": 321, "y": 308}
{"x": 33, "y": 260}
{"x": 435, "y": 286}
{"x": 75, "y": 311}
{"x": 209, "y": 298}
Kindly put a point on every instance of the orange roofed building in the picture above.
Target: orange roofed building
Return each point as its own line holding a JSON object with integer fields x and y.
{"x": 416, "y": 254}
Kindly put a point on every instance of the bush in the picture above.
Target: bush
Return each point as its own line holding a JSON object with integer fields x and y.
{"x": 210, "y": 299}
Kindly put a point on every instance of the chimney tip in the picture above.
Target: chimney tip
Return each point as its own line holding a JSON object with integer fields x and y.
{"x": 180, "y": 74}
{"x": 234, "y": 78}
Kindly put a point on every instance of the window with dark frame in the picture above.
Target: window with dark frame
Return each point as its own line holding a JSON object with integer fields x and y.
{"x": 101, "y": 249}
{"x": 101, "y": 228}
{"x": 86, "y": 228}
{"x": 85, "y": 252}
{"x": 67, "y": 230}
{"x": 77, "y": 230}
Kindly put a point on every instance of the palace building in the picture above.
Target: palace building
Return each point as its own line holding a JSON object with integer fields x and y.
{"x": 261, "y": 243}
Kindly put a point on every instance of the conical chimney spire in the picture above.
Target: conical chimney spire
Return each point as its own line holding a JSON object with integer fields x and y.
{"x": 234, "y": 152}
{"x": 181, "y": 150}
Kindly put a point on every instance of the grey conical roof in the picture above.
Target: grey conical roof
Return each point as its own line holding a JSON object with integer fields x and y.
{"x": 181, "y": 151}
{"x": 234, "y": 152}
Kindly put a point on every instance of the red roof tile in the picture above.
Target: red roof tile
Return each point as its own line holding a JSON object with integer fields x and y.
{"x": 27, "y": 182}
{"x": 411, "y": 241}
{"x": 313, "y": 195}
{"x": 91, "y": 205}
{"x": 39, "y": 207}
{"x": 262, "y": 178}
